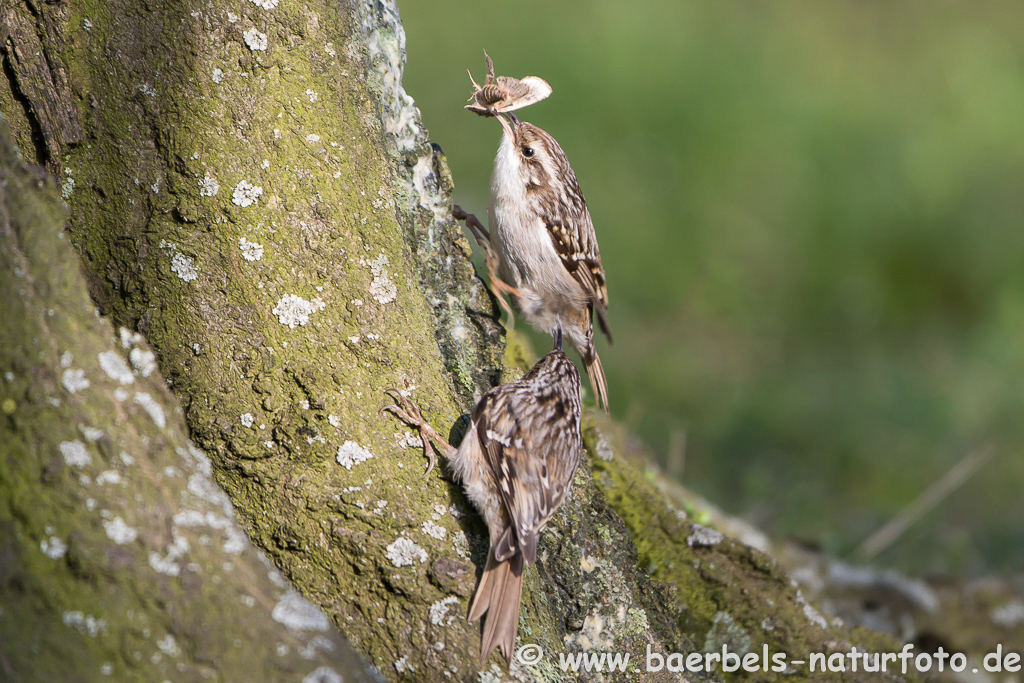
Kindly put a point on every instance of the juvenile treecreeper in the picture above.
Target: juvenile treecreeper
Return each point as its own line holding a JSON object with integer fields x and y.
{"x": 516, "y": 462}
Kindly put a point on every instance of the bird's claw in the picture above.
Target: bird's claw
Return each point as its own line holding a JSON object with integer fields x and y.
{"x": 406, "y": 410}
{"x": 498, "y": 286}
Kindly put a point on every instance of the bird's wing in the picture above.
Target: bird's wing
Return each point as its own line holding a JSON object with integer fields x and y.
{"x": 572, "y": 233}
{"x": 533, "y": 452}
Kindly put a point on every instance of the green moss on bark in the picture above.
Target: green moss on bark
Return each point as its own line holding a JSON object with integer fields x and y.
{"x": 121, "y": 559}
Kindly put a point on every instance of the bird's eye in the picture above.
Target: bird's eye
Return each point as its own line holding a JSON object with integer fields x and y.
{"x": 528, "y": 152}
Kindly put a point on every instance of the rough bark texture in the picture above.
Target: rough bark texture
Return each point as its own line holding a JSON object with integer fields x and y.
{"x": 251, "y": 189}
{"x": 120, "y": 558}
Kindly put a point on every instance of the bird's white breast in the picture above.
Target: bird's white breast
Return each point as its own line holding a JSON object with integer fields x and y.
{"x": 470, "y": 467}
{"x": 527, "y": 257}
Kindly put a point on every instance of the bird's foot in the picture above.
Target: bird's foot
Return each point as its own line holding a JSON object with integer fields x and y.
{"x": 406, "y": 410}
{"x": 498, "y": 286}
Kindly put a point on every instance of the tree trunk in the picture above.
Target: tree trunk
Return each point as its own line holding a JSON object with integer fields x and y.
{"x": 255, "y": 194}
{"x": 120, "y": 558}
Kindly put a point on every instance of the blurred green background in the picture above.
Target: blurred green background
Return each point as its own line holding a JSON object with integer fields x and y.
{"x": 812, "y": 220}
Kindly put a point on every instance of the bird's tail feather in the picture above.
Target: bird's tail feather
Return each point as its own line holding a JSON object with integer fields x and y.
{"x": 498, "y": 595}
{"x": 597, "y": 379}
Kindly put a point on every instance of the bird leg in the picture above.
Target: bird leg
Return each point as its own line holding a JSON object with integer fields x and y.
{"x": 473, "y": 223}
{"x": 406, "y": 410}
{"x": 498, "y": 286}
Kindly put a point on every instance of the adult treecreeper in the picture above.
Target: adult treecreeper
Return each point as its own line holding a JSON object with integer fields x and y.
{"x": 542, "y": 245}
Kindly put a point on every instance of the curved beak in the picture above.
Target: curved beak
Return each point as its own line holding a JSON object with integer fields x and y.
{"x": 509, "y": 126}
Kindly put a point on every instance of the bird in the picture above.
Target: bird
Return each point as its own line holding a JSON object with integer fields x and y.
{"x": 544, "y": 242}
{"x": 516, "y": 463}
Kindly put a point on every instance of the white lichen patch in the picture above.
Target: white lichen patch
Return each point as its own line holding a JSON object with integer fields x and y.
{"x": 246, "y": 194}
{"x": 185, "y": 267}
{"x": 108, "y": 477}
{"x": 256, "y": 41}
{"x": 382, "y": 289}
{"x": 74, "y": 380}
{"x": 168, "y": 646}
{"x": 168, "y": 564}
{"x": 312, "y": 95}
{"x": 66, "y": 359}
{"x": 91, "y": 433}
{"x": 265, "y": 4}
{"x": 426, "y": 185}
{"x": 324, "y": 674}
{"x": 247, "y": 419}
{"x": 439, "y": 611}
{"x": 74, "y": 453}
{"x": 236, "y": 540}
{"x": 121, "y": 395}
{"x": 163, "y": 565}
{"x": 460, "y": 544}
{"x": 434, "y": 530}
{"x": 350, "y": 453}
{"x": 143, "y": 361}
{"x": 312, "y": 137}
{"x": 403, "y": 552}
{"x": 115, "y": 367}
{"x": 84, "y": 623}
{"x": 408, "y": 440}
{"x": 299, "y": 614}
{"x": 119, "y": 532}
{"x": 334, "y": 421}
{"x": 218, "y": 76}
{"x": 251, "y": 251}
{"x": 53, "y": 547}
{"x": 67, "y": 188}
{"x": 153, "y": 408}
{"x": 703, "y": 537}
{"x": 815, "y": 617}
{"x": 129, "y": 338}
{"x": 208, "y": 186}
{"x": 604, "y": 449}
{"x": 403, "y": 665}
{"x": 292, "y": 310}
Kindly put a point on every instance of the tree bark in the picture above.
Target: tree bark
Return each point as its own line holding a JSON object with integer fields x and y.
{"x": 120, "y": 558}
{"x": 255, "y": 194}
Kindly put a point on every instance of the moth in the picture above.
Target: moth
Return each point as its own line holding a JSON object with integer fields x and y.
{"x": 504, "y": 93}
